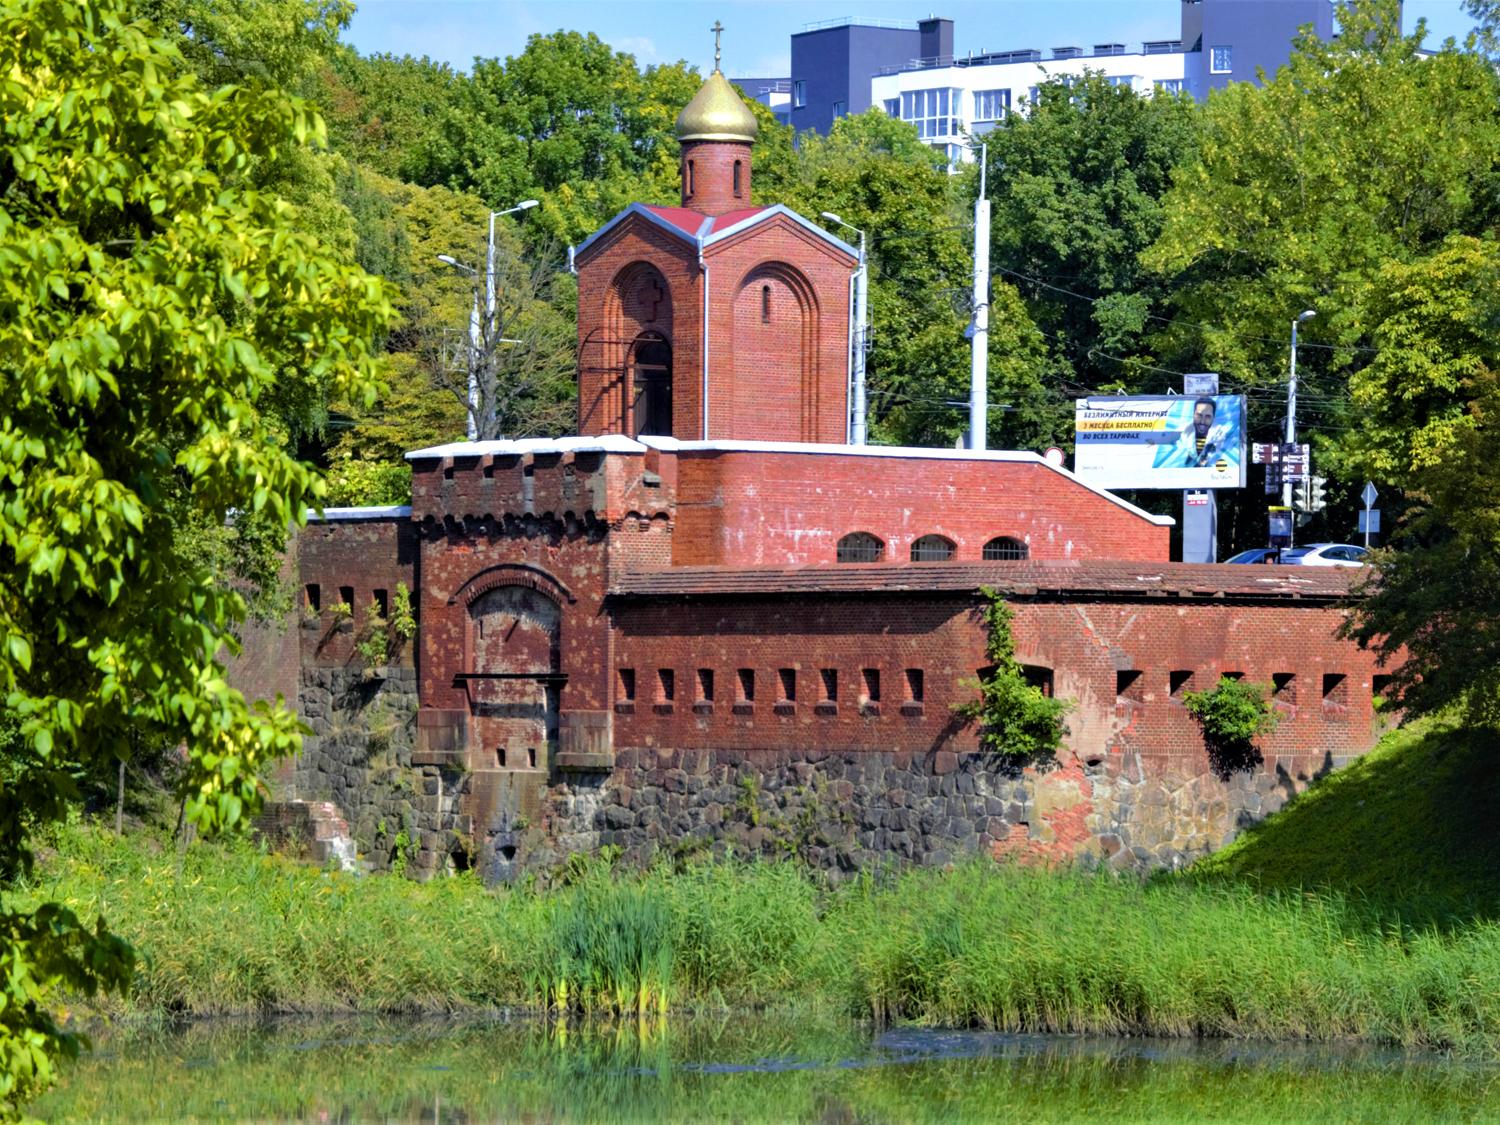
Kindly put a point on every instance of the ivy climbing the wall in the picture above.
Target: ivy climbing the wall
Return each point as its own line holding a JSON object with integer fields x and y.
{"x": 1018, "y": 721}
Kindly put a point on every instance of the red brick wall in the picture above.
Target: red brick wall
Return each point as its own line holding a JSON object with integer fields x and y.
{"x": 617, "y": 302}
{"x": 366, "y": 555}
{"x": 785, "y": 381}
{"x": 1085, "y": 642}
{"x": 712, "y": 179}
{"x": 779, "y": 509}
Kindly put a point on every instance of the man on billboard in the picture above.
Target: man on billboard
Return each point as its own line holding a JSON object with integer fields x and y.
{"x": 1198, "y": 444}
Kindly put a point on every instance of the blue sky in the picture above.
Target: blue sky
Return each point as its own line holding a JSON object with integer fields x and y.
{"x": 756, "y": 41}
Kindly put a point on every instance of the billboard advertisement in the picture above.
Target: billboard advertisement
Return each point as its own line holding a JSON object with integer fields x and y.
{"x": 1161, "y": 441}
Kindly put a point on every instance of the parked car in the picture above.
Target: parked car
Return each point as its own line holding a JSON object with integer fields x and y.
{"x": 1258, "y": 555}
{"x": 1326, "y": 554}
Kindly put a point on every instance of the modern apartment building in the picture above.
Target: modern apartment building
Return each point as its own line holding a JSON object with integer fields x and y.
{"x": 913, "y": 71}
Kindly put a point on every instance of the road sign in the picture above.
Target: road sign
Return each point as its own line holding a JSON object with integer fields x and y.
{"x": 1369, "y": 521}
{"x": 1269, "y": 452}
{"x": 1369, "y": 495}
{"x": 1201, "y": 383}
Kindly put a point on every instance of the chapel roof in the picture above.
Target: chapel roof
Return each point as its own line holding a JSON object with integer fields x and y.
{"x": 716, "y": 113}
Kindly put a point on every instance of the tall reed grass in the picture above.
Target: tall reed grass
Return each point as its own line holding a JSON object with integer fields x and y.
{"x": 1002, "y": 947}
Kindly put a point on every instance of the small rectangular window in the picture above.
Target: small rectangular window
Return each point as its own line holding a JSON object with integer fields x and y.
{"x": 346, "y": 596}
{"x": 1333, "y": 686}
{"x": 893, "y": 107}
{"x": 914, "y": 685}
{"x": 872, "y": 684}
{"x": 1178, "y": 681}
{"x": 737, "y": 179}
{"x": 788, "y": 677}
{"x": 1231, "y": 675}
{"x": 314, "y": 595}
{"x": 1284, "y": 686}
{"x": 1222, "y": 59}
{"x": 381, "y": 604}
{"x": 840, "y": 109}
{"x": 830, "y": 685}
{"x": 666, "y": 688}
{"x": 1128, "y": 686}
{"x": 1038, "y": 677}
{"x": 991, "y": 105}
{"x": 1379, "y": 686}
{"x": 799, "y": 93}
{"x": 627, "y": 684}
{"x": 747, "y": 685}
{"x": 690, "y": 178}
{"x": 706, "y": 685}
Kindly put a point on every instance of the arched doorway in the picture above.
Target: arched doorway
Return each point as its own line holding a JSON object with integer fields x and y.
{"x": 514, "y": 645}
{"x": 651, "y": 366}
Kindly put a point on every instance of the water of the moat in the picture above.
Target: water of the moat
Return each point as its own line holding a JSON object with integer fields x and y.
{"x": 741, "y": 1069}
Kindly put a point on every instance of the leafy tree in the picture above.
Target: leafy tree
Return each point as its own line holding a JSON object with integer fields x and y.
{"x": 397, "y": 116}
{"x": 1358, "y": 154}
{"x": 874, "y": 172}
{"x": 1075, "y": 186}
{"x": 151, "y": 302}
{"x": 1432, "y": 611}
{"x": 1017, "y": 721}
{"x": 1233, "y": 714}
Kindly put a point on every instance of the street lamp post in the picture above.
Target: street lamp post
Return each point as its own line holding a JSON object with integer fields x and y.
{"x": 857, "y": 415}
{"x": 475, "y": 335}
{"x": 1291, "y": 405}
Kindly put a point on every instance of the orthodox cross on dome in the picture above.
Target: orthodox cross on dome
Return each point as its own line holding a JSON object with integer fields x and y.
{"x": 717, "y": 29}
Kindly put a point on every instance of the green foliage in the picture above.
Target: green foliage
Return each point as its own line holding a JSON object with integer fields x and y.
{"x": 1076, "y": 186}
{"x": 1017, "y": 720}
{"x": 1233, "y": 714}
{"x": 153, "y": 311}
{"x": 403, "y": 620}
{"x": 375, "y": 645}
{"x": 1430, "y": 612}
{"x": 354, "y": 482}
{"x": 1009, "y": 948}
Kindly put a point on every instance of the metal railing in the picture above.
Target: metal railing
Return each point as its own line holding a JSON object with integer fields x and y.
{"x": 1031, "y": 55}
{"x": 861, "y": 21}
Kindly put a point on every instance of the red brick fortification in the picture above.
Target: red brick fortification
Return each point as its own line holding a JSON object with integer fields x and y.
{"x": 785, "y": 507}
{"x": 715, "y": 176}
{"x": 776, "y": 332}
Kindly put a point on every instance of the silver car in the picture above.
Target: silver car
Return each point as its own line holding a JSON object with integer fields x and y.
{"x": 1326, "y": 554}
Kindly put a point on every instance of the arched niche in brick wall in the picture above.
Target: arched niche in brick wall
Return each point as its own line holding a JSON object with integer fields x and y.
{"x": 776, "y": 326}
{"x": 637, "y": 306}
{"x": 515, "y": 634}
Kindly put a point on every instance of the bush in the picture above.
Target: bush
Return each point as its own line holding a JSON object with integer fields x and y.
{"x": 1233, "y": 713}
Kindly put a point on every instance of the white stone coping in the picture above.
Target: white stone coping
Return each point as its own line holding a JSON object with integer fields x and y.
{"x": 619, "y": 443}
{"x": 373, "y": 512}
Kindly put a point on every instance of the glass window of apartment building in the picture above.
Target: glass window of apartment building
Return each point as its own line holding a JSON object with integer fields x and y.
{"x": 1222, "y": 59}
{"x": 799, "y": 93}
{"x": 840, "y": 109}
{"x": 893, "y": 107}
{"x": 1170, "y": 85}
{"x": 991, "y": 105}
{"x": 933, "y": 112}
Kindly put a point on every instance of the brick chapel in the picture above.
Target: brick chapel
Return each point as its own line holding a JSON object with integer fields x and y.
{"x": 708, "y": 584}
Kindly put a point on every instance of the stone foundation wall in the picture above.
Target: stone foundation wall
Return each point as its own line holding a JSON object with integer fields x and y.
{"x": 857, "y": 811}
{"x": 840, "y": 812}
{"x": 360, "y": 757}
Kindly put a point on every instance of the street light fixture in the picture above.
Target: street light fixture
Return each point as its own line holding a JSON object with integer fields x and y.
{"x": 489, "y": 303}
{"x": 857, "y": 423}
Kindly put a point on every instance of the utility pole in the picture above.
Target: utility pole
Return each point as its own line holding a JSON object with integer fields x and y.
{"x": 858, "y": 423}
{"x": 1291, "y": 405}
{"x": 979, "y": 366}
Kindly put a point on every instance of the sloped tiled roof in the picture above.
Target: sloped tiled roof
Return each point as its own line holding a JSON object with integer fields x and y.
{"x": 687, "y": 223}
{"x": 1108, "y": 579}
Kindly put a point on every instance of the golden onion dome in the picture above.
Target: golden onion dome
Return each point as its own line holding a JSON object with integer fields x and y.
{"x": 716, "y": 114}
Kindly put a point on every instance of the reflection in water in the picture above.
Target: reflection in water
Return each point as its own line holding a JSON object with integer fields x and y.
{"x": 738, "y": 1068}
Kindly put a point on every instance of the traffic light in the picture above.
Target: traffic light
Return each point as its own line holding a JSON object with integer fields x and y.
{"x": 1317, "y": 494}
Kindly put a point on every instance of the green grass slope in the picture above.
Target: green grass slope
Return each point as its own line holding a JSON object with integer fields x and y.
{"x": 1414, "y": 824}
